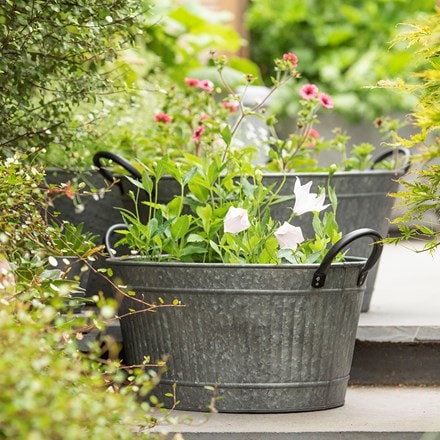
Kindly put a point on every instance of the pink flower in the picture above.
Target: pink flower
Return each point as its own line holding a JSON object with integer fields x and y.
{"x": 203, "y": 117}
{"x": 313, "y": 134}
{"x": 162, "y": 117}
{"x": 205, "y": 84}
{"x": 312, "y": 137}
{"x": 292, "y": 58}
{"x": 289, "y": 236}
{"x": 305, "y": 201}
{"x": 236, "y": 220}
{"x": 326, "y": 101}
{"x": 308, "y": 91}
{"x": 198, "y": 133}
{"x": 192, "y": 82}
{"x": 231, "y": 105}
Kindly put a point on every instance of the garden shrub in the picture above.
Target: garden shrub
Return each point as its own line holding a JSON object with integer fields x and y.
{"x": 50, "y": 388}
{"x": 51, "y": 60}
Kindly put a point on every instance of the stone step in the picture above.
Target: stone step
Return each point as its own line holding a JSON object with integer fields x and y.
{"x": 391, "y": 363}
{"x": 400, "y": 413}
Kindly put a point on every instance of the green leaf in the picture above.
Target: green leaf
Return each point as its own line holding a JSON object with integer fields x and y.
{"x": 199, "y": 190}
{"x": 213, "y": 173}
{"x": 216, "y": 248}
{"x": 135, "y": 182}
{"x": 189, "y": 175}
{"x": 317, "y": 225}
{"x": 226, "y": 134}
{"x": 331, "y": 193}
{"x": 147, "y": 183}
{"x": 180, "y": 227}
{"x": 152, "y": 227}
{"x": 190, "y": 250}
{"x": 174, "y": 207}
{"x": 160, "y": 168}
{"x": 248, "y": 188}
{"x": 173, "y": 170}
{"x": 192, "y": 238}
{"x": 205, "y": 213}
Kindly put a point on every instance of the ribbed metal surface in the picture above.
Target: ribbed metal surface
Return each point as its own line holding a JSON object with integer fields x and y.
{"x": 269, "y": 341}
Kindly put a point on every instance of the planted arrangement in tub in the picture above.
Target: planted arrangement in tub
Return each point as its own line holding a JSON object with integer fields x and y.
{"x": 267, "y": 322}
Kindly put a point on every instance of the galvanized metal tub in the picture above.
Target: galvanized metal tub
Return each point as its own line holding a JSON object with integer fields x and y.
{"x": 267, "y": 338}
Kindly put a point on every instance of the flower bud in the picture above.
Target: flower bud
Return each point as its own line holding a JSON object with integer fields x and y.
{"x": 333, "y": 168}
{"x": 258, "y": 176}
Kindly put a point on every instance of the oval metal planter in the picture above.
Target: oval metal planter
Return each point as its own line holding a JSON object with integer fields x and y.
{"x": 266, "y": 338}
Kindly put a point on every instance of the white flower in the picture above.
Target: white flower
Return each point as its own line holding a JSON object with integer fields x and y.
{"x": 289, "y": 236}
{"x": 305, "y": 201}
{"x": 236, "y": 220}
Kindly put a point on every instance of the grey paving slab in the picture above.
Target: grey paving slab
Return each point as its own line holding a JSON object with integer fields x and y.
{"x": 369, "y": 412}
{"x": 398, "y": 333}
{"x": 306, "y": 436}
{"x": 405, "y": 306}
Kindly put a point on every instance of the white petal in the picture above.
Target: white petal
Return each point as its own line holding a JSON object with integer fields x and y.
{"x": 289, "y": 236}
{"x": 305, "y": 201}
{"x": 236, "y": 220}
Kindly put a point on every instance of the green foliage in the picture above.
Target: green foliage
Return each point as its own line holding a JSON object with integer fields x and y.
{"x": 342, "y": 46}
{"x": 192, "y": 227}
{"x": 50, "y": 389}
{"x": 420, "y": 197}
{"x": 26, "y": 228}
{"x": 171, "y": 41}
{"x": 52, "y": 57}
{"x": 22, "y": 228}
{"x": 421, "y": 194}
{"x": 69, "y": 239}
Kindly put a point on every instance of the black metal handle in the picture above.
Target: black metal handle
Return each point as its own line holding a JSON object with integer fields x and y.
{"x": 124, "y": 163}
{"x": 388, "y": 153}
{"x": 110, "y": 231}
{"x": 321, "y": 273}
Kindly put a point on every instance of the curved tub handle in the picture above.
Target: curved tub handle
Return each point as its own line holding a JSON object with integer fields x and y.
{"x": 110, "y": 231}
{"x": 388, "y": 153}
{"x": 321, "y": 273}
{"x": 124, "y": 163}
